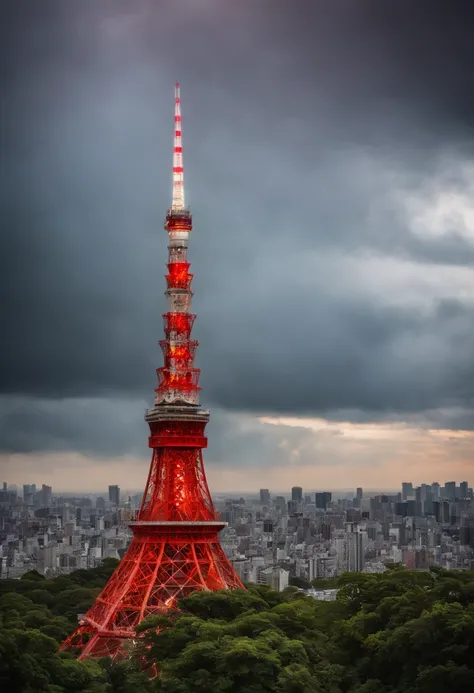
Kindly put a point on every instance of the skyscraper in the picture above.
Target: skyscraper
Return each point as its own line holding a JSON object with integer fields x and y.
{"x": 29, "y": 491}
{"x": 322, "y": 500}
{"x": 114, "y": 495}
{"x": 450, "y": 490}
{"x": 297, "y": 494}
{"x": 355, "y": 547}
{"x": 46, "y": 496}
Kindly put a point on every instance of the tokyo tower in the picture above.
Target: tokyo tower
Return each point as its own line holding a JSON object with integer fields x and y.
{"x": 175, "y": 548}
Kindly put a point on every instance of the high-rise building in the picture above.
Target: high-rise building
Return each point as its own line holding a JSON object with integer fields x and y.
{"x": 292, "y": 507}
{"x": 464, "y": 489}
{"x": 358, "y": 498}
{"x": 322, "y": 500}
{"x": 355, "y": 543}
{"x": 175, "y": 549}
{"x": 114, "y": 495}
{"x": 326, "y": 531}
{"x": 29, "y": 491}
{"x": 450, "y": 490}
{"x": 264, "y": 496}
{"x": 280, "y": 504}
{"x": 8, "y": 497}
{"x": 297, "y": 494}
{"x": 46, "y": 496}
{"x": 407, "y": 490}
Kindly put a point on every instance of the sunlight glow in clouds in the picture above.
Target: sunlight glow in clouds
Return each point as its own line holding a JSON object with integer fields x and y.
{"x": 367, "y": 431}
{"x": 383, "y": 451}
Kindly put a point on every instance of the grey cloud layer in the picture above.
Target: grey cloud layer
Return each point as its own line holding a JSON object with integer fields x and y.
{"x": 90, "y": 426}
{"x": 109, "y": 429}
{"x": 302, "y": 132}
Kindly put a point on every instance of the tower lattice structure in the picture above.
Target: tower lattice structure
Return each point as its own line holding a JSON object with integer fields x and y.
{"x": 175, "y": 548}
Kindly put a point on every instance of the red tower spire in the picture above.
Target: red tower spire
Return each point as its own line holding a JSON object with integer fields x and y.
{"x": 175, "y": 548}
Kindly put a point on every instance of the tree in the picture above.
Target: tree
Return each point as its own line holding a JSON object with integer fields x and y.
{"x": 300, "y": 582}
{"x": 445, "y": 678}
{"x": 75, "y": 600}
{"x": 33, "y": 575}
{"x": 397, "y": 632}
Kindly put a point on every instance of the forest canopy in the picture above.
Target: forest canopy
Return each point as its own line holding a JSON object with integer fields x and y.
{"x": 396, "y": 632}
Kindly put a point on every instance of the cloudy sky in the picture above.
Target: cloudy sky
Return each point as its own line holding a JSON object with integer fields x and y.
{"x": 329, "y": 156}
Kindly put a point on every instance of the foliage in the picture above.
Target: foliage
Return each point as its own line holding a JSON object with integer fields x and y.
{"x": 300, "y": 582}
{"x": 397, "y": 632}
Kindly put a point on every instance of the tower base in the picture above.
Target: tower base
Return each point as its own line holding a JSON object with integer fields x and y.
{"x": 165, "y": 562}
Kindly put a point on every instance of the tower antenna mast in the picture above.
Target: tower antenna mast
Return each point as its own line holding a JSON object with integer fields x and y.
{"x": 178, "y": 168}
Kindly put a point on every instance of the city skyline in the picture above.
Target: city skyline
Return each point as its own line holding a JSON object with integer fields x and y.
{"x": 269, "y": 538}
{"x": 124, "y": 493}
{"x": 331, "y": 180}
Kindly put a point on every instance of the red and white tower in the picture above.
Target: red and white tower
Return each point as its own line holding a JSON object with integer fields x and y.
{"x": 175, "y": 548}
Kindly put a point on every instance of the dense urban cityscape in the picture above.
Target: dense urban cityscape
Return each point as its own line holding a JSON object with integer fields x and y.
{"x": 270, "y": 539}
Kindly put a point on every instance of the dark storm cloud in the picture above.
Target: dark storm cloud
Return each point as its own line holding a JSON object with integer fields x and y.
{"x": 102, "y": 427}
{"x": 111, "y": 429}
{"x": 299, "y": 127}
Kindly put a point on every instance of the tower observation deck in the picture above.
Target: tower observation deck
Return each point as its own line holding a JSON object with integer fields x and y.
{"x": 175, "y": 548}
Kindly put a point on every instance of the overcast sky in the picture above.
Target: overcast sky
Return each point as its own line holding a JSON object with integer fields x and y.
{"x": 329, "y": 165}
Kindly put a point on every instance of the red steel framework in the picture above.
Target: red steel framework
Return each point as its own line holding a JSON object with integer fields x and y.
{"x": 175, "y": 548}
